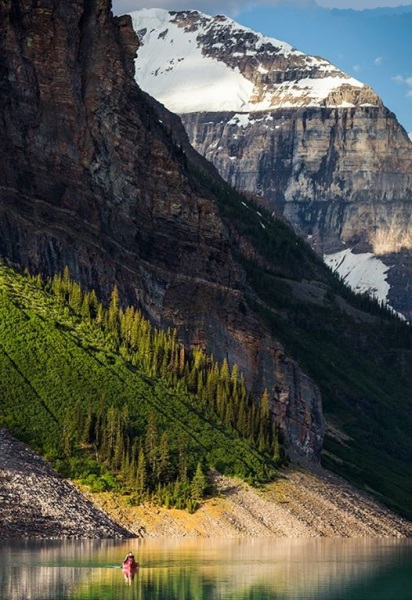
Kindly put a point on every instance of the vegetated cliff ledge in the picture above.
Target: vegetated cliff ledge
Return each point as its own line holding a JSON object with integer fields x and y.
{"x": 36, "y": 503}
{"x": 92, "y": 179}
{"x": 122, "y": 206}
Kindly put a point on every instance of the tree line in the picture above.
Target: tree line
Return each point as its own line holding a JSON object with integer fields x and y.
{"x": 145, "y": 462}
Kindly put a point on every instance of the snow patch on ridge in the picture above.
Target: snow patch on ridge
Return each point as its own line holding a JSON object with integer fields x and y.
{"x": 240, "y": 120}
{"x": 171, "y": 66}
{"x": 362, "y": 272}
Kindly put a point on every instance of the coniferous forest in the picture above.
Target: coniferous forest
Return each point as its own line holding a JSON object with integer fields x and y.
{"x": 120, "y": 405}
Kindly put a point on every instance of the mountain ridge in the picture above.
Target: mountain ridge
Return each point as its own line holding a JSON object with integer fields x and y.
{"x": 121, "y": 206}
{"x": 91, "y": 179}
{"x": 338, "y": 168}
{"x": 247, "y": 71}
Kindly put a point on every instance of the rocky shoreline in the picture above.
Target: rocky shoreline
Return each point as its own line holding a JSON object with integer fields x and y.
{"x": 300, "y": 504}
{"x": 37, "y": 503}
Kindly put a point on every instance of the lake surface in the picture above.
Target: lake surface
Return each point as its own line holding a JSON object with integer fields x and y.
{"x": 234, "y": 569}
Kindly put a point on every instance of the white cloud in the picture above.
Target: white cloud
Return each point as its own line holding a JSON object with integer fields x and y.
{"x": 356, "y": 68}
{"x": 378, "y": 60}
{"x": 404, "y": 81}
{"x": 210, "y": 7}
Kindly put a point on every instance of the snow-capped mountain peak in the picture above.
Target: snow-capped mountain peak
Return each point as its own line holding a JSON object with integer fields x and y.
{"x": 192, "y": 62}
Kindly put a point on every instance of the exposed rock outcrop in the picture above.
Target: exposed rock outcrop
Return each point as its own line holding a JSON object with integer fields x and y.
{"x": 337, "y": 174}
{"x": 315, "y": 143}
{"x": 91, "y": 179}
{"x": 298, "y": 505}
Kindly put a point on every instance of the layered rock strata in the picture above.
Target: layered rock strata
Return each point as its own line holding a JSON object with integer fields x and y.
{"x": 291, "y": 128}
{"x": 90, "y": 178}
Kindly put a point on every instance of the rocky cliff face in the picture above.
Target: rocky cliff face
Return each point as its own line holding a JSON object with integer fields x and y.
{"x": 339, "y": 175}
{"x": 318, "y": 145}
{"x": 342, "y": 177}
{"x": 91, "y": 179}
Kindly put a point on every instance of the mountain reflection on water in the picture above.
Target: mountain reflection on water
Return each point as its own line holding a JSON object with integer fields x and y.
{"x": 236, "y": 569}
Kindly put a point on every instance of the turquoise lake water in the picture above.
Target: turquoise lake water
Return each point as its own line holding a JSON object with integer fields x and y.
{"x": 232, "y": 569}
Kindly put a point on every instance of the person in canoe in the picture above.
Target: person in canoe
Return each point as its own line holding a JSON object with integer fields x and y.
{"x": 129, "y": 567}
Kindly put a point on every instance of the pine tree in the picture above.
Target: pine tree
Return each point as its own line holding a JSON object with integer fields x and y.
{"x": 66, "y": 278}
{"x": 264, "y": 406}
{"x": 141, "y": 475}
{"x": 225, "y": 372}
{"x": 57, "y": 287}
{"x": 93, "y": 304}
{"x": 119, "y": 446}
{"x": 87, "y": 435}
{"x": 135, "y": 330}
{"x": 113, "y": 319}
{"x": 100, "y": 315}
{"x": 68, "y": 435}
{"x": 164, "y": 473}
{"x": 76, "y": 297}
{"x": 110, "y": 434}
{"x": 151, "y": 442}
{"x": 199, "y": 484}
{"x": 126, "y": 325}
{"x": 182, "y": 465}
{"x": 85, "y": 310}
{"x": 234, "y": 378}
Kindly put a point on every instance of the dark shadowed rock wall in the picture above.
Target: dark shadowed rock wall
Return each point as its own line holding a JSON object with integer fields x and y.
{"x": 91, "y": 179}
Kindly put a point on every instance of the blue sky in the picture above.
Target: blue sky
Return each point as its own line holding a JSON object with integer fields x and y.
{"x": 233, "y": 6}
{"x": 372, "y": 45}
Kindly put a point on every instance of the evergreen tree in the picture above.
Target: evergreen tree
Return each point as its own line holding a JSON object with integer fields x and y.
{"x": 85, "y": 310}
{"x": 93, "y": 304}
{"x": 119, "y": 446}
{"x": 66, "y": 279}
{"x": 151, "y": 442}
{"x": 68, "y": 435}
{"x": 164, "y": 471}
{"x": 234, "y": 377}
{"x": 149, "y": 465}
{"x": 87, "y": 435}
{"x": 199, "y": 484}
{"x": 76, "y": 297}
{"x": 114, "y": 315}
{"x": 100, "y": 315}
{"x": 141, "y": 475}
{"x": 264, "y": 406}
{"x": 182, "y": 466}
{"x": 57, "y": 287}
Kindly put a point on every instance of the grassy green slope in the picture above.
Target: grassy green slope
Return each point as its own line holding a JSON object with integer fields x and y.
{"x": 358, "y": 353}
{"x": 52, "y": 364}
